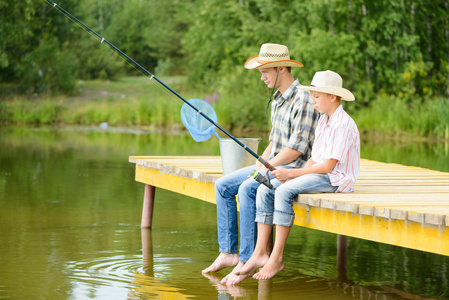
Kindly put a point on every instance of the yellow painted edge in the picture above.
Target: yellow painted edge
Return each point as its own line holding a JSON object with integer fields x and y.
{"x": 402, "y": 233}
{"x": 186, "y": 186}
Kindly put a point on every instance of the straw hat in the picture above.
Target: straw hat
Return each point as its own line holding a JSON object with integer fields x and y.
{"x": 328, "y": 82}
{"x": 270, "y": 56}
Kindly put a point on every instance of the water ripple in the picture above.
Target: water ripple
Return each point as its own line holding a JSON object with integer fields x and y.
{"x": 120, "y": 274}
{"x": 111, "y": 271}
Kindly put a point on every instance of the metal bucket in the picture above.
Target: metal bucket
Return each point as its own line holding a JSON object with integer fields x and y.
{"x": 234, "y": 156}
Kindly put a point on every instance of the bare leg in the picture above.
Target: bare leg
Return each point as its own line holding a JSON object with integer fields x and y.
{"x": 275, "y": 264}
{"x": 223, "y": 260}
{"x": 260, "y": 255}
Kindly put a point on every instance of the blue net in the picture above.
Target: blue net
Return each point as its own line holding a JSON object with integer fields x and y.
{"x": 199, "y": 127}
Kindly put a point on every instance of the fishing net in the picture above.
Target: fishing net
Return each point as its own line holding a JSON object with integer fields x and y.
{"x": 199, "y": 127}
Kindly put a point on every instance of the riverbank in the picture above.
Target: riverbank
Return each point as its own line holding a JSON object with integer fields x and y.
{"x": 139, "y": 103}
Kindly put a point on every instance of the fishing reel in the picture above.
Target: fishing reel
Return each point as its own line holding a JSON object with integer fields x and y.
{"x": 262, "y": 179}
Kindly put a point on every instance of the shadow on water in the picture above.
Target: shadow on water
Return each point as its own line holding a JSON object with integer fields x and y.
{"x": 70, "y": 228}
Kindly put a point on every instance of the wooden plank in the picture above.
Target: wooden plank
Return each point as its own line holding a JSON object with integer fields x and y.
{"x": 202, "y": 168}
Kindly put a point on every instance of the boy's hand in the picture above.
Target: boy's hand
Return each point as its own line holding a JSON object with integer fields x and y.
{"x": 281, "y": 174}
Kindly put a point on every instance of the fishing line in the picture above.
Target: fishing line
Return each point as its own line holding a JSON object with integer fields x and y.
{"x": 256, "y": 175}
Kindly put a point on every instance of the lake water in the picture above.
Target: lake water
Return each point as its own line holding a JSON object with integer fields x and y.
{"x": 70, "y": 214}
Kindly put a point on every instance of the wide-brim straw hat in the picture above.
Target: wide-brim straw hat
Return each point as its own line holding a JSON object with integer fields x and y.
{"x": 270, "y": 56}
{"x": 328, "y": 82}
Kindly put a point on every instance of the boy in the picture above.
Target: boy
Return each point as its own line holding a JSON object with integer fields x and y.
{"x": 333, "y": 167}
{"x": 294, "y": 121}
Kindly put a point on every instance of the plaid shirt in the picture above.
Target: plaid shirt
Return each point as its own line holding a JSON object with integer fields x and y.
{"x": 294, "y": 120}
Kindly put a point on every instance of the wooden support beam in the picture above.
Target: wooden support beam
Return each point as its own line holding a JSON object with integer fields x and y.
{"x": 342, "y": 257}
{"x": 148, "y": 205}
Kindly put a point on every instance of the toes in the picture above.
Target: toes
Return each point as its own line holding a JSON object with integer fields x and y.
{"x": 224, "y": 280}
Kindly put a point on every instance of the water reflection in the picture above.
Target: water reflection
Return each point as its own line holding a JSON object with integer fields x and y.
{"x": 146, "y": 284}
{"x": 147, "y": 252}
{"x": 70, "y": 214}
{"x": 300, "y": 286}
{"x": 432, "y": 155}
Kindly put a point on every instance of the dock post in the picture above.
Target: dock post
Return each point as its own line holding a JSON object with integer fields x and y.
{"x": 148, "y": 204}
{"x": 147, "y": 251}
{"x": 342, "y": 256}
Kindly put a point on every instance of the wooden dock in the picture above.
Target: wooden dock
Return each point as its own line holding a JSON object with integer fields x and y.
{"x": 392, "y": 204}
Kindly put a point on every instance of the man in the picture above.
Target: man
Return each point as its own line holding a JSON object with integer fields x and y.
{"x": 293, "y": 119}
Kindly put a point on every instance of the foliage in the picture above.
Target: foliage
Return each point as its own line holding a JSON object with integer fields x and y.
{"x": 97, "y": 62}
{"x": 341, "y": 60}
{"x": 370, "y": 43}
{"x": 394, "y": 117}
{"x": 383, "y": 49}
{"x": 14, "y": 21}
{"x": 33, "y": 50}
{"x": 148, "y": 32}
{"x": 47, "y": 69}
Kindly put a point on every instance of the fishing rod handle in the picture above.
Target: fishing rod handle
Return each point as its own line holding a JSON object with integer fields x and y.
{"x": 265, "y": 163}
{"x": 262, "y": 179}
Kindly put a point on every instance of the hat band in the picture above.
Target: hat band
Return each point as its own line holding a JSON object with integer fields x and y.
{"x": 274, "y": 55}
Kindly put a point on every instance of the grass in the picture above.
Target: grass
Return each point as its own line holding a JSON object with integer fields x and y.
{"x": 127, "y": 102}
{"x": 393, "y": 117}
{"x": 140, "y": 102}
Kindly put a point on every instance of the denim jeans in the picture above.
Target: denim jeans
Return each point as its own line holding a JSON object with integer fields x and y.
{"x": 275, "y": 206}
{"x": 226, "y": 189}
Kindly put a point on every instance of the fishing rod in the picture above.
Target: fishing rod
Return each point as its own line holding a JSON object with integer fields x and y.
{"x": 256, "y": 175}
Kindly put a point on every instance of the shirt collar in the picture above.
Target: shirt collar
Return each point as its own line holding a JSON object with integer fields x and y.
{"x": 334, "y": 117}
{"x": 288, "y": 93}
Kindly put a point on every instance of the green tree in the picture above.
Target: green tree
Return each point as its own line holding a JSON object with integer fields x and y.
{"x": 32, "y": 48}
{"x": 15, "y": 34}
{"x": 380, "y": 47}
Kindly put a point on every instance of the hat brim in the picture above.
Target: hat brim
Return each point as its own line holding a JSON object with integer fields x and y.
{"x": 253, "y": 63}
{"x": 341, "y": 92}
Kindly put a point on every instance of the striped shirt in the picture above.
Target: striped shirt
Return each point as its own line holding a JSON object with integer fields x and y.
{"x": 293, "y": 120}
{"x": 338, "y": 138}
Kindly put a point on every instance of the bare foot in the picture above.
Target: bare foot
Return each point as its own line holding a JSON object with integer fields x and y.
{"x": 232, "y": 278}
{"x": 270, "y": 269}
{"x": 223, "y": 260}
{"x": 233, "y": 290}
{"x": 236, "y": 269}
{"x": 255, "y": 262}
{"x": 236, "y": 279}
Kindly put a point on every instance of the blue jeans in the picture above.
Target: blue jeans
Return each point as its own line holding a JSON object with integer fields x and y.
{"x": 226, "y": 189}
{"x": 275, "y": 206}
